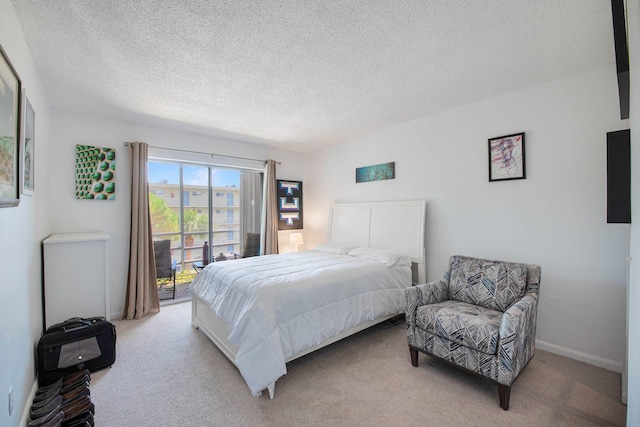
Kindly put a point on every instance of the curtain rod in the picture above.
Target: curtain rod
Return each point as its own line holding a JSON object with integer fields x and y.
{"x": 208, "y": 154}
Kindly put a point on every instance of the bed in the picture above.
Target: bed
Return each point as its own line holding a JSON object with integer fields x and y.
{"x": 263, "y": 312}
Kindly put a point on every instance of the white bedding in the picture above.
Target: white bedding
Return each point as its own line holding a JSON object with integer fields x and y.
{"x": 280, "y": 305}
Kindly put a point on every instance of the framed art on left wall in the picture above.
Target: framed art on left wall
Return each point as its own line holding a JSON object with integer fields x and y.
{"x": 28, "y": 150}
{"x": 10, "y": 108}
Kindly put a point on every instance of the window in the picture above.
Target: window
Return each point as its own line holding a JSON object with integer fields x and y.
{"x": 190, "y": 220}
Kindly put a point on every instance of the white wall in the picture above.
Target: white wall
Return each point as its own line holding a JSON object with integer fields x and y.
{"x": 69, "y": 214}
{"x": 556, "y": 217}
{"x": 633, "y": 351}
{"x": 21, "y": 230}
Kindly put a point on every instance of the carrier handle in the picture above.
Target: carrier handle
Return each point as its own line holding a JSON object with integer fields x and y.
{"x": 69, "y": 324}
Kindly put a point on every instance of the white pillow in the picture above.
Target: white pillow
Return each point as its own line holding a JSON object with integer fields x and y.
{"x": 335, "y": 248}
{"x": 389, "y": 258}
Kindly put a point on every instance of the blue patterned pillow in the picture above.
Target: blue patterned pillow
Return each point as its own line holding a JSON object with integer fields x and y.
{"x": 491, "y": 284}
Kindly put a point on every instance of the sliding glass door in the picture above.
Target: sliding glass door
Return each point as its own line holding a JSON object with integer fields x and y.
{"x": 193, "y": 204}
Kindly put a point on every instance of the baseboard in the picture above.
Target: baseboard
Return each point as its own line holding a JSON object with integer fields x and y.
{"x": 608, "y": 364}
{"x": 25, "y": 411}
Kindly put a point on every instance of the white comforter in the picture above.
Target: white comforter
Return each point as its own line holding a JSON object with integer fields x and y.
{"x": 280, "y": 305}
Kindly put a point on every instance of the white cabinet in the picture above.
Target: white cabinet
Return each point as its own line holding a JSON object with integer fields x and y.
{"x": 75, "y": 276}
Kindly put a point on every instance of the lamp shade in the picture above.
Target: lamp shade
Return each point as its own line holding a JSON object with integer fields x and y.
{"x": 296, "y": 239}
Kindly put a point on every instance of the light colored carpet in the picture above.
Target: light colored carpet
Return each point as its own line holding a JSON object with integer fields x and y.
{"x": 169, "y": 374}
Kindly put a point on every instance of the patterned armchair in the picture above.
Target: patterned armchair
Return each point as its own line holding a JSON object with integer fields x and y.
{"x": 481, "y": 317}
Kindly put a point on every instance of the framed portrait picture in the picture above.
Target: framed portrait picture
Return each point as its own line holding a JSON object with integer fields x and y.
{"x": 28, "y": 150}
{"x": 506, "y": 157}
{"x": 10, "y": 109}
{"x": 289, "y": 205}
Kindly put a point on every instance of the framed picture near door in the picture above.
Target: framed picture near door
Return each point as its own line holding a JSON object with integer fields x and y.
{"x": 289, "y": 205}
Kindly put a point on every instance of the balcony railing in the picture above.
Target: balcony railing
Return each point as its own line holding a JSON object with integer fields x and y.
{"x": 187, "y": 257}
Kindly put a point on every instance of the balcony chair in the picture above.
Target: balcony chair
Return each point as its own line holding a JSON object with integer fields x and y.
{"x": 165, "y": 268}
{"x": 481, "y": 317}
{"x": 251, "y": 246}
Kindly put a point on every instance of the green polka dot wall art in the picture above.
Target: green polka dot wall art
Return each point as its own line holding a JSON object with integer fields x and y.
{"x": 95, "y": 173}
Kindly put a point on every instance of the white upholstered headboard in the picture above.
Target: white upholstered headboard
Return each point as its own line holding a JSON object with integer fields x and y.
{"x": 398, "y": 226}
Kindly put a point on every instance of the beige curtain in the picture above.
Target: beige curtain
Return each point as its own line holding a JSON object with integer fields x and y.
{"x": 251, "y": 189}
{"x": 142, "y": 293}
{"x": 270, "y": 211}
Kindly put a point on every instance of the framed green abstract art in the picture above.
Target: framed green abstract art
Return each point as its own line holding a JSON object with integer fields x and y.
{"x": 95, "y": 173}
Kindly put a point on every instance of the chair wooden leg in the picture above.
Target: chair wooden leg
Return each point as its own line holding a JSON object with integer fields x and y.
{"x": 414, "y": 356}
{"x": 504, "y": 392}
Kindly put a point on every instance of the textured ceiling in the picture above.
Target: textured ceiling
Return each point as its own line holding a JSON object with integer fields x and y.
{"x": 300, "y": 74}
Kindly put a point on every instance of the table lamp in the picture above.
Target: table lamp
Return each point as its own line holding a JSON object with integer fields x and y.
{"x": 295, "y": 239}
